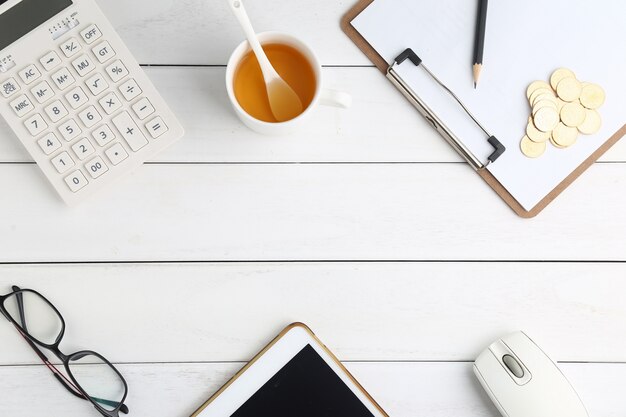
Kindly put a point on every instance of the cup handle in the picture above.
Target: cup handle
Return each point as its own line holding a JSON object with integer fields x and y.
{"x": 335, "y": 98}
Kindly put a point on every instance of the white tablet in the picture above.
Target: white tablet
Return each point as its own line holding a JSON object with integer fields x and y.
{"x": 295, "y": 375}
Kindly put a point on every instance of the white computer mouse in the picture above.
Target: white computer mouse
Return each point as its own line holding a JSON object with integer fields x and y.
{"x": 523, "y": 381}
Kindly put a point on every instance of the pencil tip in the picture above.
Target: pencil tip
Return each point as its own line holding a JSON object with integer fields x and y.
{"x": 474, "y": 85}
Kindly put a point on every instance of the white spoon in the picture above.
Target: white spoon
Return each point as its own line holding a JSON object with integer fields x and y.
{"x": 284, "y": 102}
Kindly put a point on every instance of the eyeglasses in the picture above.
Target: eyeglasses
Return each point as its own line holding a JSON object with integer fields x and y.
{"x": 91, "y": 376}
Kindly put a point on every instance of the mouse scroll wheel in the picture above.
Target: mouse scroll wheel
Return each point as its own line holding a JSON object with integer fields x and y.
{"x": 513, "y": 365}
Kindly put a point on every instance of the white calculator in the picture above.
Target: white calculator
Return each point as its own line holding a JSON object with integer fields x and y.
{"x": 76, "y": 97}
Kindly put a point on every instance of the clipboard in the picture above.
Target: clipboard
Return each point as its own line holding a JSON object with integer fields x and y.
{"x": 387, "y": 68}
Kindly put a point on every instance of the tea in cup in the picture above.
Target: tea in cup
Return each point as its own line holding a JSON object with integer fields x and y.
{"x": 296, "y": 64}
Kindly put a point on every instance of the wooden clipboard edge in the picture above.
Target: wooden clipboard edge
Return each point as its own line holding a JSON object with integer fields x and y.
{"x": 382, "y": 65}
{"x": 269, "y": 346}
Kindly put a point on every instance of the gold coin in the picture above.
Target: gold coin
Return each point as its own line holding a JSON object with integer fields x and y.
{"x": 564, "y": 136}
{"x": 544, "y": 103}
{"x": 592, "y": 123}
{"x": 535, "y": 134}
{"x": 535, "y": 85}
{"x": 573, "y": 114}
{"x": 560, "y": 74}
{"x": 532, "y": 149}
{"x": 592, "y": 96}
{"x": 556, "y": 145}
{"x": 546, "y": 119}
{"x": 569, "y": 89}
{"x": 539, "y": 92}
{"x": 543, "y": 96}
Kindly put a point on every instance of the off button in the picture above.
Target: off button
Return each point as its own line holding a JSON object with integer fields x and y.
{"x": 91, "y": 34}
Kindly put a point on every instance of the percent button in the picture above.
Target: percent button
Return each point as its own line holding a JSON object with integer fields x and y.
{"x": 116, "y": 71}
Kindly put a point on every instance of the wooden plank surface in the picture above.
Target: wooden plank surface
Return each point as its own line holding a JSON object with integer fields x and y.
{"x": 307, "y": 212}
{"x": 367, "y": 184}
{"x": 366, "y": 311}
{"x": 402, "y": 389}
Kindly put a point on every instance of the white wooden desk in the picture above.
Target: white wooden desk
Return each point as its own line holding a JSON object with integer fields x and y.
{"x": 366, "y": 226}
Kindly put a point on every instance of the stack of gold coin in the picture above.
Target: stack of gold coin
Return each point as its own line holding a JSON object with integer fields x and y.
{"x": 561, "y": 110}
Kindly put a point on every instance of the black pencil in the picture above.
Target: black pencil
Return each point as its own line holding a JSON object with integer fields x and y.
{"x": 479, "y": 42}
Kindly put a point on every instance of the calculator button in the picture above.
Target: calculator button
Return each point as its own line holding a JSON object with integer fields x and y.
{"x": 35, "y": 124}
{"x": 70, "y": 47}
{"x": 90, "y": 116}
{"x": 70, "y": 130}
{"x": 63, "y": 162}
{"x": 29, "y": 74}
{"x": 103, "y": 52}
{"x": 103, "y": 135}
{"x": 129, "y": 130}
{"x": 83, "y": 149}
{"x": 97, "y": 84}
{"x": 96, "y": 167}
{"x": 50, "y": 61}
{"x": 91, "y": 34}
{"x": 9, "y": 87}
{"x": 42, "y": 92}
{"x": 156, "y": 127}
{"x": 130, "y": 89}
{"x": 83, "y": 65}
{"x": 49, "y": 143}
{"x": 116, "y": 154}
{"x": 63, "y": 78}
{"x": 76, "y": 97}
{"x": 143, "y": 108}
{"x": 22, "y": 106}
{"x": 56, "y": 111}
{"x": 110, "y": 103}
{"x": 117, "y": 71}
{"x": 76, "y": 181}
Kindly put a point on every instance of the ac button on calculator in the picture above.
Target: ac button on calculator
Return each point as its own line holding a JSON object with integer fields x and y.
{"x": 75, "y": 96}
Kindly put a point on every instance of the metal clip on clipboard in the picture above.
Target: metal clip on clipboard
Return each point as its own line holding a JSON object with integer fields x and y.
{"x": 450, "y": 137}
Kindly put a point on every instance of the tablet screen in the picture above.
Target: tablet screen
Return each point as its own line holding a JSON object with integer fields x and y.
{"x": 305, "y": 387}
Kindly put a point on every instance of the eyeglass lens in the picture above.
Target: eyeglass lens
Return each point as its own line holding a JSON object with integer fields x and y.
{"x": 36, "y": 317}
{"x": 98, "y": 379}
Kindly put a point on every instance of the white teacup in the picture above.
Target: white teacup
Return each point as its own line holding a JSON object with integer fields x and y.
{"x": 322, "y": 96}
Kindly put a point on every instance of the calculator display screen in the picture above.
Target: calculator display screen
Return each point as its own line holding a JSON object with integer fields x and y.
{"x": 26, "y": 16}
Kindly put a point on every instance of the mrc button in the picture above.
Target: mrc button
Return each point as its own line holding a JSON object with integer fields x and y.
{"x": 91, "y": 34}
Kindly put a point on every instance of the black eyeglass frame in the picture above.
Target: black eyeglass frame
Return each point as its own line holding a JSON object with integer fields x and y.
{"x": 65, "y": 359}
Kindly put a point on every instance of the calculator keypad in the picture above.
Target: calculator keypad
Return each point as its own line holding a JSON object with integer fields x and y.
{"x": 71, "y": 91}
